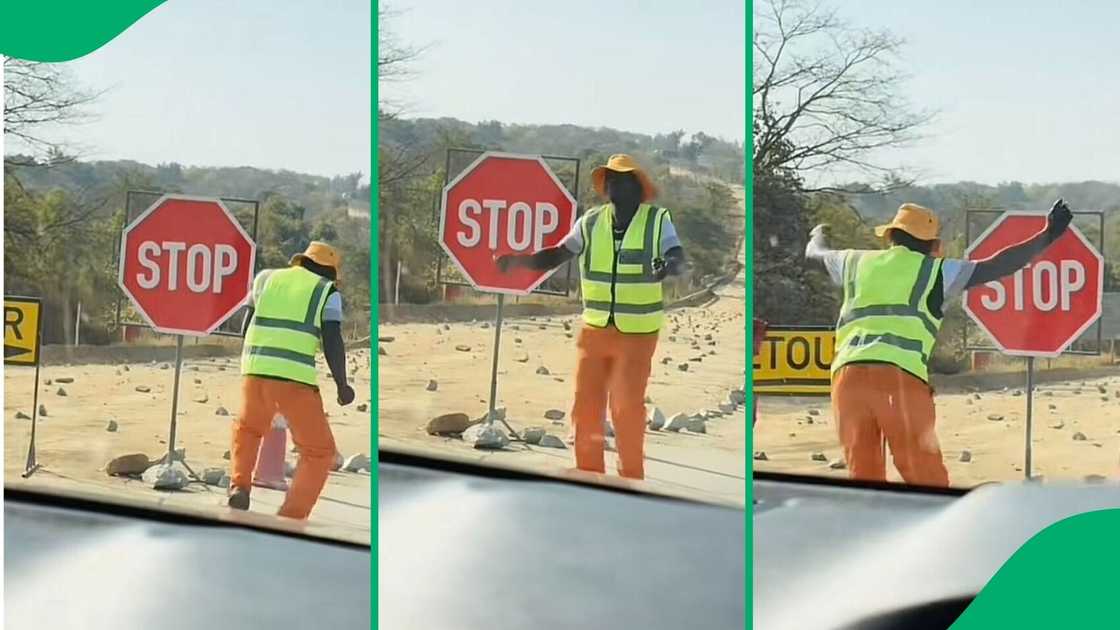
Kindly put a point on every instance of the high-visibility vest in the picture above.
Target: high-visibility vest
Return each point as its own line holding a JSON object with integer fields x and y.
{"x": 283, "y": 336}
{"x": 622, "y": 282}
{"x": 885, "y": 318}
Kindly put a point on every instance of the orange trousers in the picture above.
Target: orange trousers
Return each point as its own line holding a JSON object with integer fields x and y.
{"x": 612, "y": 366}
{"x": 301, "y": 405}
{"x": 875, "y": 403}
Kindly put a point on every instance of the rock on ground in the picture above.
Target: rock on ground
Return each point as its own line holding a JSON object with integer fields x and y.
{"x": 543, "y": 371}
{"x": 70, "y": 379}
{"x": 966, "y": 456}
{"x": 532, "y": 435}
{"x": 554, "y": 414}
{"x": 131, "y": 464}
{"x": 448, "y": 424}
{"x": 1079, "y": 437}
{"x": 22, "y": 416}
{"x": 111, "y": 427}
{"x": 819, "y": 457}
{"x": 362, "y": 407}
{"x": 213, "y": 476}
{"x": 697, "y": 425}
{"x": 432, "y": 385}
{"x": 463, "y": 348}
{"x": 357, "y": 463}
{"x": 221, "y": 411}
{"x": 167, "y": 476}
{"x": 486, "y": 436}
{"x": 838, "y": 464}
{"x": 551, "y": 441}
{"x": 737, "y": 397}
{"x": 677, "y": 422}
{"x": 656, "y": 419}
{"x": 760, "y": 456}
{"x": 42, "y": 410}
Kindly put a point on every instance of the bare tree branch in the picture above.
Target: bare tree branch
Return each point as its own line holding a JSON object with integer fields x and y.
{"x": 826, "y": 93}
{"x": 39, "y": 99}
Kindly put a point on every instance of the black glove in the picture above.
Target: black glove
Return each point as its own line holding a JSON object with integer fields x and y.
{"x": 345, "y": 395}
{"x": 506, "y": 262}
{"x": 1058, "y": 220}
{"x": 660, "y": 269}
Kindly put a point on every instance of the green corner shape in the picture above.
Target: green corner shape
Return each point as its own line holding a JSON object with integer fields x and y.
{"x": 62, "y": 30}
{"x": 1063, "y": 577}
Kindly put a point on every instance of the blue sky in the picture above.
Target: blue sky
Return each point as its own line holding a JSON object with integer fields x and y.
{"x": 1026, "y": 91}
{"x": 637, "y": 66}
{"x": 245, "y": 83}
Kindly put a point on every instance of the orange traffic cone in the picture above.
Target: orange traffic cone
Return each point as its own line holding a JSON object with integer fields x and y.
{"x": 270, "y": 461}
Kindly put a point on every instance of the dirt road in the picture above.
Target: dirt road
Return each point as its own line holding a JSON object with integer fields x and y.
{"x": 74, "y": 443}
{"x": 709, "y": 466}
{"x": 990, "y": 425}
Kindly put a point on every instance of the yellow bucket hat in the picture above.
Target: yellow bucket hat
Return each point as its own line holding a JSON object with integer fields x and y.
{"x": 915, "y": 220}
{"x": 320, "y": 253}
{"x": 622, "y": 163}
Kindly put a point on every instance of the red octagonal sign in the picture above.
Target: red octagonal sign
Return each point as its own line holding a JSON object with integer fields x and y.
{"x": 1041, "y": 309}
{"x": 186, "y": 264}
{"x": 503, "y": 204}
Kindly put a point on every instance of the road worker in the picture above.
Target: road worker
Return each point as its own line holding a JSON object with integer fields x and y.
{"x": 625, "y": 248}
{"x": 892, "y": 310}
{"x": 293, "y": 311}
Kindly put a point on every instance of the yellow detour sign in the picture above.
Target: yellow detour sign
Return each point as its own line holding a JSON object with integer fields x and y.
{"x": 21, "y": 330}
{"x": 795, "y": 361}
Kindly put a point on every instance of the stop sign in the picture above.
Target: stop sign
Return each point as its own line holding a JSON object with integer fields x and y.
{"x": 186, "y": 264}
{"x": 503, "y": 204}
{"x": 1042, "y": 308}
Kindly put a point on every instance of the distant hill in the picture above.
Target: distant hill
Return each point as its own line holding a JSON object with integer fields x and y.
{"x": 1089, "y": 195}
{"x": 102, "y": 179}
{"x": 699, "y": 153}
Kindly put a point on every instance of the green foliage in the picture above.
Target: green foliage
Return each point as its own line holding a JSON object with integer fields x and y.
{"x": 413, "y": 158}
{"x": 62, "y": 224}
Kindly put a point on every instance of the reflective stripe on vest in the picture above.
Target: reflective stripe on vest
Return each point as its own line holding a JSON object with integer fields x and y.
{"x": 622, "y": 283}
{"x": 885, "y": 317}
{"x": 283, "y": 336}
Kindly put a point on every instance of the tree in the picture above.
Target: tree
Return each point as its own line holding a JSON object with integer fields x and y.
{"x": 826, "y": 94}
{"x": 394, "y": 60}
{"x": 38, "y": 98}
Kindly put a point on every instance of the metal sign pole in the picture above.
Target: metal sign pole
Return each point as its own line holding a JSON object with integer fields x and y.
{"x": 494, "y": 369}
{"x": 1030, "y": 406}
{"x": 175, "y": 410}
{"x": 175, "y": 398}
{"x": 32, "y": 463}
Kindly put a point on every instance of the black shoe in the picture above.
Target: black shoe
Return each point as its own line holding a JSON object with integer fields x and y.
{"x": 239, "y": 499}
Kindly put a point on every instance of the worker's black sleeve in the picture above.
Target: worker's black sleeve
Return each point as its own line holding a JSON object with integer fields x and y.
{"x": 1009, "y": 260}
{"x": 335, "y": 351}
{"x": 548, "y": 258}
{"x": 674, "y": 263}
{"x": 248, "y": 319}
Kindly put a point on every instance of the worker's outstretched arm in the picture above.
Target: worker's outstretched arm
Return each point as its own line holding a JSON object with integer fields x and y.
{"x": 1013, "y": 258}
{"x": 671, "y": 265}
{"x": 335, "y": 351}
{"x": 543, "y": 260}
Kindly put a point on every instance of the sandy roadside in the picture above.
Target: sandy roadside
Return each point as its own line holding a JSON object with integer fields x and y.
{"x": 990, "y": 425}
{"x": 74, "y": 444}
{"x": 711, "y": 466}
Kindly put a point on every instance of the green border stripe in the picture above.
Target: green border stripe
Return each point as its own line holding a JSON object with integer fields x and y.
{"x": 62, "y": 30}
